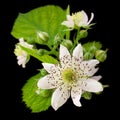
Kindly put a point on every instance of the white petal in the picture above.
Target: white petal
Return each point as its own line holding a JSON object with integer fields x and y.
{"x": 92, "y": 85}
{"x": 60, "y": 96}
{"x": 88, "y": 67}
{"x": 76, "y": 93}
{"x": 78, "y": 52}
{"x": 25, "y": 44}
{"x": 69, "y": 22}
{"x": 85, "y": 17}
{"x": 46, "y": 82}
{"x": 93, "y": 71}
{"x": 90, "y": 72}
{"x": 21, "y": 40}
{"x": 21, "y": 61}
{"x": 91, "y": 63}
{"x": 65, "y": 57}
{"x": 69, "y": 18}
{"x": 96, "y": 77}
{"x": 84, "y": 20}
{"x": 66, "y": 23}
{"x": 92, "y": 16}
{"x": 49, "y": 67}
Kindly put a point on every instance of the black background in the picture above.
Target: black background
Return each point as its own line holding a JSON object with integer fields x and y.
{"x": 13, "y": 77}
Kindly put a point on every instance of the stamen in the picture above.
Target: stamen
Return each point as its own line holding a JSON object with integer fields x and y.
{"x": 69, "y": 75}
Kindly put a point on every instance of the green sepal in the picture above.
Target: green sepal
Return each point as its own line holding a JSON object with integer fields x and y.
{"x": 87, "y": 95}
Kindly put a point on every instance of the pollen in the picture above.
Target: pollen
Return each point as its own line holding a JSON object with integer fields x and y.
{"x": 69, "y": 75}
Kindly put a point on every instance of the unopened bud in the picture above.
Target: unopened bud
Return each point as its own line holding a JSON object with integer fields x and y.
{"x": 57, "y": 39}
{"x": 67, "y": 43}
{"x": 83, "y": 33}
{"x": 101, "y": 55}
{"x": 42, "y": 37}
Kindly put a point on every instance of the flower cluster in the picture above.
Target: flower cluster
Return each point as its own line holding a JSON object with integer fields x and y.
{"x": 69, "y": 67}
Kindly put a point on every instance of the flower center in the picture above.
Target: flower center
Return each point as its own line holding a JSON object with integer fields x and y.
{"x": 77, "y": 17}
{"x": 69, "y": 75}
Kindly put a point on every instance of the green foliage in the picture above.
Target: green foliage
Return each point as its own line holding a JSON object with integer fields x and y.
{"x": 46, "y": 19}
{"x": 36, "y": 102}
{"x": 90, "y": 48}
{"x": 43, "y": 58}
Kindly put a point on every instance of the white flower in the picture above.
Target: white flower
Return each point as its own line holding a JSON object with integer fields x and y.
{"x": 22, "y": 55}
{"x": 79, "y": 19}
{"x": 71, "y": 77}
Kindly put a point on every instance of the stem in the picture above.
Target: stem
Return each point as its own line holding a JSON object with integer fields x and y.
{"x": 76, "y": 39}
{"x": 78, "y": 36}
{"x": 54, "y": 52}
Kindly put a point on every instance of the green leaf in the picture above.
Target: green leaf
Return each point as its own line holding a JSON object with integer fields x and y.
{"x": 48, "y": 59}
{"x": 36, "y": 102}
{"x": 46, "y": 19}
{"x": 43, "y": 58}
{"x": 90, "y": 48}
{"x": 87, "y": 95}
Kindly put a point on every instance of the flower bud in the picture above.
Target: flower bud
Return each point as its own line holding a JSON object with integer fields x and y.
{"x": 67, "y": 43}
{"x": 42, "y": 37}
{"x": 42, "y": 51}
{"x": 57, "y": 39}
{"x": 101, "y": 55}
{"x": 83, "y": 33}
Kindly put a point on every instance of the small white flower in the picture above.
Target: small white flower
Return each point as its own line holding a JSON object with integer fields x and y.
{"x": 79, "y": 19}
{"x": 22, "y": 55}
{"x": 71, "y": 77}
